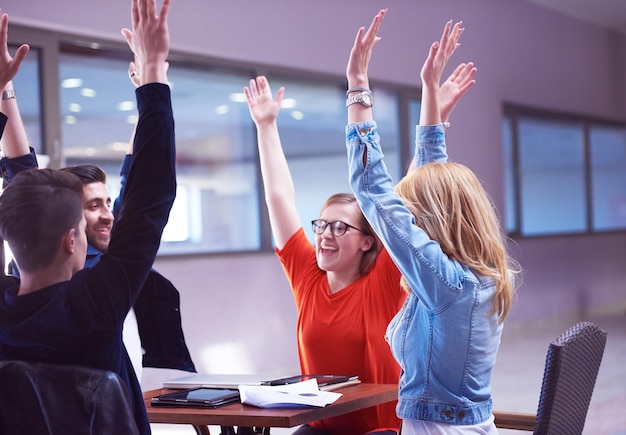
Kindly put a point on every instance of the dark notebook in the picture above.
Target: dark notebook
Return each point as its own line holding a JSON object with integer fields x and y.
{"x": 197, "y": 398}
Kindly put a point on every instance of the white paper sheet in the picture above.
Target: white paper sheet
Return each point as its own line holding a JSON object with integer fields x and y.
{"x": 300, "y": 394}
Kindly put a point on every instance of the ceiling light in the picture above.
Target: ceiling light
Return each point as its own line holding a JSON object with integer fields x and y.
{"x": 71, "y": 120}
{"x": 237, "y": 97}
{"x": 71, "y": 83}
{"x": 288, "y": 103}
{"x": 131, "y": 119}
{"x": 126, "y": 106}
{"x": 119, "y": 146}
{"x": 297, "y": 115}
{"x": 222, "y": 109}
{"x": 88, "y": 92}
{"x": 74, "y": 107}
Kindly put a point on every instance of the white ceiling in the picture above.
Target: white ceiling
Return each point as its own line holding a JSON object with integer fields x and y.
{"x": 606, "y": 13}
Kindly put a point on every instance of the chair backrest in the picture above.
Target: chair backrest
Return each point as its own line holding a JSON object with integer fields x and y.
{"x": 51, "y": 399}
{"x": 570, "y": 374}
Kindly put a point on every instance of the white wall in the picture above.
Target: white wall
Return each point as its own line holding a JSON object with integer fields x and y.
{"x": 238, "y": 311}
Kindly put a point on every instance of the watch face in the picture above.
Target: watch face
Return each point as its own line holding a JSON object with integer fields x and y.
{"x": 364, "y": 98}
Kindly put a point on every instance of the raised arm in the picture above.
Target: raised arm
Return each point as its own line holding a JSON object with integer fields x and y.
{"x": 134, "y": 75}
{"x": 438, "y": 56}
{"x": 151, "y": 186}
{"x": 358, "y": 63}
{"x": 280, "y": 194}
{"x": 439, "y": 100}
{"x": 14, "y": 139}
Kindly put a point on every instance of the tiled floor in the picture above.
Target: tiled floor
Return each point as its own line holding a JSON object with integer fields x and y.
{"x": 519, "y": 371}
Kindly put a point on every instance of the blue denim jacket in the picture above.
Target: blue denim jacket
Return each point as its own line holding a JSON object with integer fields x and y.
{"x": 446, "y": 335}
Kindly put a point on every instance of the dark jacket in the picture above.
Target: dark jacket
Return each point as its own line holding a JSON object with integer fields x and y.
{"x": 79, "y": 322}
{"x": 157, "y": 307}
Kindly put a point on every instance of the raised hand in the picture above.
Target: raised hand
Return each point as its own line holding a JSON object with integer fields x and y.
{"x": 438, "y": 101}
{"x": 263, "y": 108}
{"x": 149, "y": 39}
{"x": 9, "y": 66}
{"x": 439, "y": 54}
{"x": 451, "y": 91}
{"x": 361, "y": 53}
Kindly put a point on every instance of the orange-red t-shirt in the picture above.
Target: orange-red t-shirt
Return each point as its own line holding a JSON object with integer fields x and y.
{"x": 344, "y": 332}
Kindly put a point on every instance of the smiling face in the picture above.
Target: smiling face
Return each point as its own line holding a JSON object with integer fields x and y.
{"x": 96, "y": 207}
{"x": 343, "y": 254}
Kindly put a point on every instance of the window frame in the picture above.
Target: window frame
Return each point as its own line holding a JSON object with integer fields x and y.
{"x": 51, "y": 43}
{"x": 513, "y": 113}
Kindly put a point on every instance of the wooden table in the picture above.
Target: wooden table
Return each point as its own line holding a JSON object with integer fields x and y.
{"x": 354, "y": 398}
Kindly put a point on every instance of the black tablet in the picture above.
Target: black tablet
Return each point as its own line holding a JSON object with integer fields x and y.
{"x": 197, "y": 398}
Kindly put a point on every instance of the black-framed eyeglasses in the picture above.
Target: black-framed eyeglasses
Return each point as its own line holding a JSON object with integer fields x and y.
{"x": 337, "y": 228}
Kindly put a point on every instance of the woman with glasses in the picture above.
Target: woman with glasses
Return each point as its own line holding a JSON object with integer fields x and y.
{"x": 346, "y": 287}
{"x": 442, "y": 231}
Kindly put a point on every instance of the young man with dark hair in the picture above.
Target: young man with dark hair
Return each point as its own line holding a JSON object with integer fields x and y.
{"x": 58, "y": 311}
{"x": 152, "y": 331}
{"x": 97, "y": 208}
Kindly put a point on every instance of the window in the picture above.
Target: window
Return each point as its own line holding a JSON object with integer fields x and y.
{"x": 312, "y": 129}
{"x": 219, "y": 205}
{"x": 563, "y": 175}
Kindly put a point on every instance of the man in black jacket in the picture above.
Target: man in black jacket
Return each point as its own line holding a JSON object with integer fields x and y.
{"x": 58, "y": 311}
{"x": 156, "y": 313}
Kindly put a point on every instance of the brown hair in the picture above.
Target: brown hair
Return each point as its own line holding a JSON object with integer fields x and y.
{"x": 87, "y": 173}
{"x": 36, "y": 210}
{"x": 370, "y": 256}
{"x": 450, "y": 204}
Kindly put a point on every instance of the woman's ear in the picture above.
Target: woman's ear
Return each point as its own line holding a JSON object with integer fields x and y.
{"x": 368, "y": 242}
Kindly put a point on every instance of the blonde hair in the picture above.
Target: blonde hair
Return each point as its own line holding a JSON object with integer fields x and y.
{"x": 451, "y": 206}
{"x": 371, "y": 255}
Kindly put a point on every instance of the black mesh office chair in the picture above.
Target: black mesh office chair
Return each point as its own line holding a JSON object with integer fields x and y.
{"x": 47, "y": 399}
{"x": 569, "y": 377}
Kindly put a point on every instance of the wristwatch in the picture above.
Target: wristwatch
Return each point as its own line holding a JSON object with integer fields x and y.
{"x": 364, "y": 98}
{"x": 8, "y": 94}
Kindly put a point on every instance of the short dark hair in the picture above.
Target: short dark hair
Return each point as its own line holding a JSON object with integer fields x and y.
{"x": 36, "y": 209}
{"x": 87, "y": 174}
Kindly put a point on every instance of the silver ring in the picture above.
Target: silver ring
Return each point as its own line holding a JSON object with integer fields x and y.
{"x": 133, "y": 74}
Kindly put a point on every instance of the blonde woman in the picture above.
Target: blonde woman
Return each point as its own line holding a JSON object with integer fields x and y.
{"x": 441, "y": 230}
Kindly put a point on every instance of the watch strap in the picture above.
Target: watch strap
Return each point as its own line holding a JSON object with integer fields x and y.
{"x": 8, "y": 94}
{"x": 360, "y": 98}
